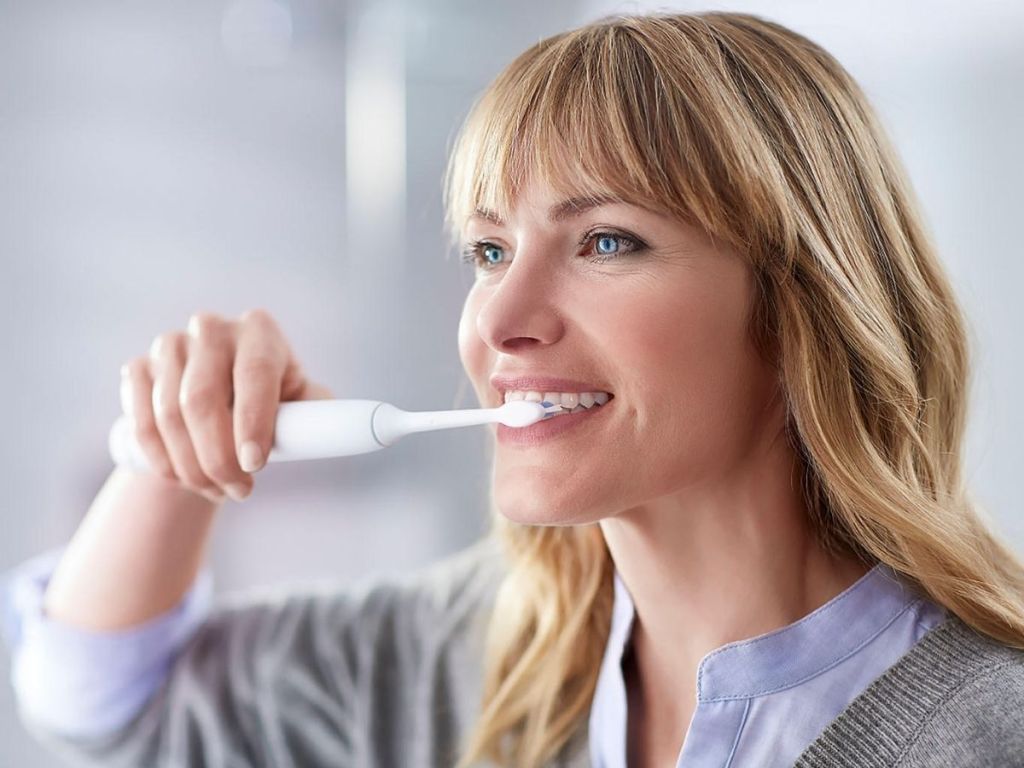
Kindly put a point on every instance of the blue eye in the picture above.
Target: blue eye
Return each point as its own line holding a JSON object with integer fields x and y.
{"x": 492, "y": 254}
{"x": 607, "y": 246}
{"x": 612, "y": 246}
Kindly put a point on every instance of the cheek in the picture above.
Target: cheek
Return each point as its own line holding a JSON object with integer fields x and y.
{"x": 699, "y": 385}
{"x": 681, "y": 345}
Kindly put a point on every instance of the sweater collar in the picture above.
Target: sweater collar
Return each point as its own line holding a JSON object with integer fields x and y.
{"x": 786, "y": 656}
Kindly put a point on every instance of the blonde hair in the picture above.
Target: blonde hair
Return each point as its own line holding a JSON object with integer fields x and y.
{"x": 759, "y": 136}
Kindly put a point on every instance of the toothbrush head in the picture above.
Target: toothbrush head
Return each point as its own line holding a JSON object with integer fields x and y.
{"x": 550, "y": 409}
{"x": 523, "y": 413}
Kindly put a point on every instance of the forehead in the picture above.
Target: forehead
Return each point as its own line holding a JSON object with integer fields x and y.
{"x": 547, "y": 182}
{"x": 557, "y": 211}
{"x": 554, "y": 200}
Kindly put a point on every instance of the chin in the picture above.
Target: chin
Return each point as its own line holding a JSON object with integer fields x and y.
{"x": 522, "y": 506}
{"x": 540, "y": 517}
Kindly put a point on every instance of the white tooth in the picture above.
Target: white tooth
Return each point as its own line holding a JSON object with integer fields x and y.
{"x": 568, "y": 399}
{"x": 578, "y": 408}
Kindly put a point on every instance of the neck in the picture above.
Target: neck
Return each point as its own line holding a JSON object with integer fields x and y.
{"x": 713, "y": 565}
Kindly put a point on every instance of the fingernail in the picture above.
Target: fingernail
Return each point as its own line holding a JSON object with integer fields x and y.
{"x": 250, "y": 457}
{"x": 237, "y": 492}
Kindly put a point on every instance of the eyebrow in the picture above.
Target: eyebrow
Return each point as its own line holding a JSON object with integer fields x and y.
{"x": 574, "y": 206}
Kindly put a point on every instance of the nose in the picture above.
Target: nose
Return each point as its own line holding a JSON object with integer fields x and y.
{"x": 521, "y": 308}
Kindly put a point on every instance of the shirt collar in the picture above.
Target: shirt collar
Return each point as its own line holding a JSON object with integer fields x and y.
{"x": 789, "y": 655}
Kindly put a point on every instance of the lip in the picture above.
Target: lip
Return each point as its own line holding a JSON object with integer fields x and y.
{"x": 549, "y": 428}
{"x": 542, "y": 384}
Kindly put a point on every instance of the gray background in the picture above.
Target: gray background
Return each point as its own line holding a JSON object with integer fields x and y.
{"x": 162, "y": 158}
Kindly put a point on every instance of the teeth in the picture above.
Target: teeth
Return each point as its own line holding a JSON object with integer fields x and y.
{"x": 566, "y": 410}
{"x": 571, "y": 402}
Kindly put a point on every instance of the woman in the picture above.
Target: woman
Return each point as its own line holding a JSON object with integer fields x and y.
{"x": 751, "y": 547}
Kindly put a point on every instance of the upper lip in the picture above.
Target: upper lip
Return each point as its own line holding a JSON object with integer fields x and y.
{"x": 526, "y": 383}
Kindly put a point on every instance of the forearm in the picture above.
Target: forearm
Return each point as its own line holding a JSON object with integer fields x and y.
{"x": 134, "y": 555}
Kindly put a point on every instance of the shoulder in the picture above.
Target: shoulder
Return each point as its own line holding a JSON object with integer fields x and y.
{"x": 955, "y": 698}
{"x": 979, "y": 719}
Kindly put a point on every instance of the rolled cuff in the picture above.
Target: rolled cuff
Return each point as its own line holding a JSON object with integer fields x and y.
{"x": 86, "y": 683}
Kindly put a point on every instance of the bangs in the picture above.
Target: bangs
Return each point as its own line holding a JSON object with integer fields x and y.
{"x": 588, "y": 114}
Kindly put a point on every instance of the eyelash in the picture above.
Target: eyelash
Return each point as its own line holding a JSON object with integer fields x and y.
{"x": 472, "y": 253}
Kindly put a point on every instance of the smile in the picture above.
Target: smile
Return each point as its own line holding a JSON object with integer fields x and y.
{"x": 570, "y": 402}
{"x": 572, "y": 419}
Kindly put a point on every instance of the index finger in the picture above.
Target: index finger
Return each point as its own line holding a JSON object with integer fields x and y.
{"x": 260, "y": 360}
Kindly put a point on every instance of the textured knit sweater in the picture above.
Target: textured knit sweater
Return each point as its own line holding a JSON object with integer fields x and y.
{"x": 387, "y": 673}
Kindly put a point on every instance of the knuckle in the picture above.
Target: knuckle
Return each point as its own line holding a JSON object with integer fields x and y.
{"x": 221, "y": 468}
{"x": 133, "y": 367}
{"x": 198, "y": 488}
{"x": 203, "y": 324}
{"x": 166, "y": 408}
{"x": 166, "y": 412}
{"x": 153, "y": 447}
{"x": 197, "y": 481}
{"x": 159, "y": 344}
{"x": 257, "y": 315}
{"x": 165, "y": 344}
{"x": 159, "y": 461}
{"x": 254, "y": 364}
{"x": 145, "y": 428}
{"x": 199, "y": 399}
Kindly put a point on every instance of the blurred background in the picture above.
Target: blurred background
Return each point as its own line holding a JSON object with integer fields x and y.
{"x": 157, "y": 159}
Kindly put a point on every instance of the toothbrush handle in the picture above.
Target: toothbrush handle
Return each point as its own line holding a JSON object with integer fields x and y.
{"x": 304, "y": 429}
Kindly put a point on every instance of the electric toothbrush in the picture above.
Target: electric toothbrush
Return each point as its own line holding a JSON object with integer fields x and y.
{"x": 319, "y": 429}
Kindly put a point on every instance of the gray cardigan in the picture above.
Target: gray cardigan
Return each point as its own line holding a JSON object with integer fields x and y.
{"x": 386, "y": 672}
